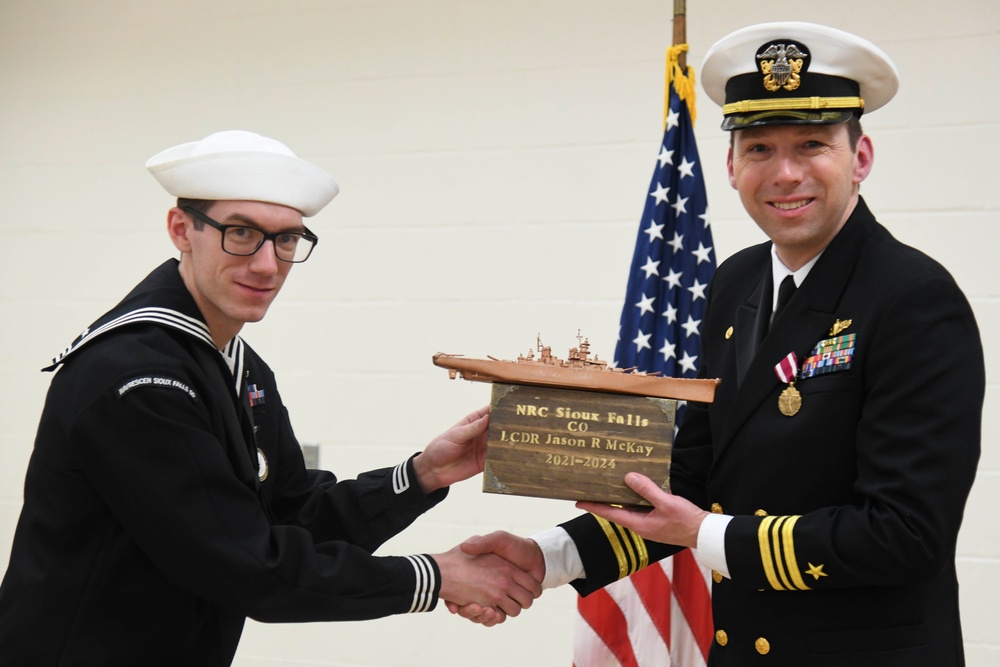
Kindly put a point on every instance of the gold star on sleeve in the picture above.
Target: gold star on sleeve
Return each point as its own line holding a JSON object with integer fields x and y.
{"x": 816, "y": 571}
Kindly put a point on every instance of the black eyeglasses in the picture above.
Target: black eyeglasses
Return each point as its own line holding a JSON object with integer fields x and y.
{"x": 294, "y": 247}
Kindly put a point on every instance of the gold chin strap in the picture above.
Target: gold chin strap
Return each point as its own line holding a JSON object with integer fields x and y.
{"x": 793, "y": 103}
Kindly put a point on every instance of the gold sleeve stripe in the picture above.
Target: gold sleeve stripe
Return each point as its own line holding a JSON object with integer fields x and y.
{"x": 775, "y": 536}
{"x": 765, "y": 553}
{"x": 616, "y": 545}
{"x": 638, "y": 556}
{"x": 625, "y": 534}
{"x": 640, "y": 546}
{"x": 789, "y": 550}
{"x": 778, "y": 545}
{"x": 629, "y": 549}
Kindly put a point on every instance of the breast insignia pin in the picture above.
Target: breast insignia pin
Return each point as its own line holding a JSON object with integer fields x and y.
{"x": 838, "y": 326}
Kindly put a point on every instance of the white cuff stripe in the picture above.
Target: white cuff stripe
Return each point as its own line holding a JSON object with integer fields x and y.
{"x": 423, "y": 594}
{"x": 400, "y": 479}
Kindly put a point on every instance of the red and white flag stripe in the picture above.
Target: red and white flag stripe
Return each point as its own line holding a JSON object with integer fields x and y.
{"x": 661, "y": 615}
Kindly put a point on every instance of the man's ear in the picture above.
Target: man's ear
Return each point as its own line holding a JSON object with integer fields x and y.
{"x": 179, "y": 226}
{"x": 729, "y": 168}
{"x": 864, "y": 159}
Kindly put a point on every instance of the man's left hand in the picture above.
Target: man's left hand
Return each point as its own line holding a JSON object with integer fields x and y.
{"x": 673, "y": 520}
{"x": 455, "y": 455}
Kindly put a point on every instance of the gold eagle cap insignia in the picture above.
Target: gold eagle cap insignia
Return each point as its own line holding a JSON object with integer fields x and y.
{"x": 781, "y": 65}
{"x": 839, "y": 326}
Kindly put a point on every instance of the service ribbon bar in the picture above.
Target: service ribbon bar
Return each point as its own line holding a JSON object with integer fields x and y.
{"x": 830, "y": 355}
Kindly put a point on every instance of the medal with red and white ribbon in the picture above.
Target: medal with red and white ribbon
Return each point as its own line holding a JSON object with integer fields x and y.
{"x": 790, "y": 400}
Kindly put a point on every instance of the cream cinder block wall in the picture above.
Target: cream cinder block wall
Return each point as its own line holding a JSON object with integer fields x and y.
{"x": 493, "y": 159}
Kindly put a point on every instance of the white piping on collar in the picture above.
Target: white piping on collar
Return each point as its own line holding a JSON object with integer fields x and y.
{"x": 232, "y": 353}
{"x": 171, "y": 318}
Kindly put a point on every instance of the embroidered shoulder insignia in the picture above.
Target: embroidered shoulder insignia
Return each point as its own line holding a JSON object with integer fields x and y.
{"x": 155, "y": 381}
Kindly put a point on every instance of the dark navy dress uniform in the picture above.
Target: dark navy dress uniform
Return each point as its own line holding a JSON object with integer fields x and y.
{"x": 846, "y": 514}
{"x": 166, "y": 500}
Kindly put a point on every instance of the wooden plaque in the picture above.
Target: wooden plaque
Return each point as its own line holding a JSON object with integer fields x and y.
{"x": 576, "y": 445}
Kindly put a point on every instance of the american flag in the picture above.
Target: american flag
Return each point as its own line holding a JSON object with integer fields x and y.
{"x": 662, "y": 614}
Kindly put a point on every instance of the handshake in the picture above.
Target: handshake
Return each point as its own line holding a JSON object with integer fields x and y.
{"x": 488, "y": 578}
{"x": 484, "y": 579}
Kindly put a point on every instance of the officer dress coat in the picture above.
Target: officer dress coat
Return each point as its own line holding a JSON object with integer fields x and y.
{"x": 846, "y": 514}
{"x": 167, "y": 499}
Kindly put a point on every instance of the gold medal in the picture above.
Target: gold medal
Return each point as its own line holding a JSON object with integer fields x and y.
{"x": 790, "y": 401}
{"x": 787, "y": 370}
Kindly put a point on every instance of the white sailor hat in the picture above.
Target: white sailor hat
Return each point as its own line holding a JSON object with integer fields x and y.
{"x": 235, "y": 164}
{"x": 788, "y": 73}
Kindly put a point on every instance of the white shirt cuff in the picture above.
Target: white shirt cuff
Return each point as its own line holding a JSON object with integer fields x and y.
{"x": 562, "y": 559}
{"x": 711, "y": 551}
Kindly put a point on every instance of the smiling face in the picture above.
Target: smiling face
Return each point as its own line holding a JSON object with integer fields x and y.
{"x": 799, "y": 183}
{"x": 230, "y": 290}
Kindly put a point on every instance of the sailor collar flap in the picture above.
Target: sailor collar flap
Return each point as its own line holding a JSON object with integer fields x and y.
{"x": 163, "y": 300}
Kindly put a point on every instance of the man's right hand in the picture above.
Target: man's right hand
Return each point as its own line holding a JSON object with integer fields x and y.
{"x": 487, "y": 584}
{"x": 521, "y": 552}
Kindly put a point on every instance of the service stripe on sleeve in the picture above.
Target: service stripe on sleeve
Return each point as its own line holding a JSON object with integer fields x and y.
{"x": 778, "y": 547}
{"x": 776, "y": 538}
{"x": 640, "y": 545}
{"x": 793, "y": 564}
{"x": 765, "y": 553}
{"x": 616, "y": 545}
{"x": 629, "y": 549}
{"x": 423, "y": 593}
{"x": 400, "y": 479}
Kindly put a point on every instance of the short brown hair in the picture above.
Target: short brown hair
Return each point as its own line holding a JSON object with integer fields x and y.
{"x": 200, "y": 205}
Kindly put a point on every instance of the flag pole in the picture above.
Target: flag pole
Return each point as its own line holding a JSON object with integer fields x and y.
{"x": 680, "y": 30}
{"x": 665, "y": 608}
{"x": 678, "y": 76}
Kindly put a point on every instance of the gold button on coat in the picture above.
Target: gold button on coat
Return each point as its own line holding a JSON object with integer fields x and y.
{"x": 721, "y": 637}
{"x": 716, "y": 508}
{"x": 760, "y": 513}
{"x": 716, "y": 576}
{"x": 762, "y": 645}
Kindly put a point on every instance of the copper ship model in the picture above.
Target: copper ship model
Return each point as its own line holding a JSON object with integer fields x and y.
{"x": 578, "y": 371}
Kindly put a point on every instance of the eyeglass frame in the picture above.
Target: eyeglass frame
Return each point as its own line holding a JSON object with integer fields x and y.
{"x": 267, "y": 236}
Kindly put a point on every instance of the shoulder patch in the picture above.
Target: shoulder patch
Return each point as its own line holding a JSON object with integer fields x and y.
{"x": 155, "y": 381}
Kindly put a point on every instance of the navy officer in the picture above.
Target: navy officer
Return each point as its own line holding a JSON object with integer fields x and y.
{"x": 825, "y": 485}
